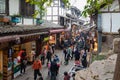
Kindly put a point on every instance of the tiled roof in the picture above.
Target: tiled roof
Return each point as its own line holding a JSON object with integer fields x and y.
{"x": 27, "y": 28}
{"x": 49, "y": 24}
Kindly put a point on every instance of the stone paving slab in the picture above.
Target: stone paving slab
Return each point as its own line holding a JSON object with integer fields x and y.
{"x": 29, "y": 73}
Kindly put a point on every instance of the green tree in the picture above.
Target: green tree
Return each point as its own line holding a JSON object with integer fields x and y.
{"x": 42, "y": 4}
{"x": 92, "y": 8}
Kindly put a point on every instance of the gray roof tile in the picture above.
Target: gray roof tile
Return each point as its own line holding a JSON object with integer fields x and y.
{"x": 23, "y": 28}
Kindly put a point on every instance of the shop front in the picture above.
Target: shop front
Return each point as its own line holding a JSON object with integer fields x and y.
{"x": 58, "y": 36}
{"x": 13, "y": 57}
{"x": 9, "y": 55}
{"x": 15, "y": 66}
{"x": 5, "y": 67}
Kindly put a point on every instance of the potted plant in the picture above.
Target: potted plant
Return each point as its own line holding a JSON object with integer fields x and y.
{"x": 38, "y": 21}
{"x": 16, "y": 18}
{"x": 4, "y": 18}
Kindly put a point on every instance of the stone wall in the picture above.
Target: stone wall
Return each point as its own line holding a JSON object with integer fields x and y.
{"x": 108, "y": 43}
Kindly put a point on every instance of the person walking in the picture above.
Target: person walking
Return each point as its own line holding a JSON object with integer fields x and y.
{"x": 32, "y": 55}
{"x": 53, "y": 69}
{"x": 84, "y": 58}
{"x": 65, "y": 53}
{"x": 37, "y": 66}
{"x": 66, "y": 76}
{"x": 56, "y": 58}
{"x": 69, "y": 53}
{"x": 49, "y": 56}
{"x": 43, "y": 55}
{"x": 53, "y": 48}
{"x": 23, "y": 60}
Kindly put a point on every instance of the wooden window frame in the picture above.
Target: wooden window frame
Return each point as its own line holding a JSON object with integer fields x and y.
{"x": 6, "y": 12}
{"x": 26, "y": 9}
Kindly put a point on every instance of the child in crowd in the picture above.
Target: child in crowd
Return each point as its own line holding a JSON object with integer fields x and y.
{"x": 66, "y": 76}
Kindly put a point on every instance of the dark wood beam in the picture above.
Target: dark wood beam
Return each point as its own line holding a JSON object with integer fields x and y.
{"x": 7, "y": 7}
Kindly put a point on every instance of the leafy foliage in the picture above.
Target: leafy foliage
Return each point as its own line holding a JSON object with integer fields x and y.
{"x": 42, "y": 4}
{"x": 93, "y": 6}
{"x": 98, "y": 57}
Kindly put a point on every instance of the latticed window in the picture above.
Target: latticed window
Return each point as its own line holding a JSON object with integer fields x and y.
{"x": 2, "y": 6}
{"x": 26, "y": 9}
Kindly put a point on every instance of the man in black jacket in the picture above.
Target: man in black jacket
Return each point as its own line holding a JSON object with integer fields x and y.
{"x": 53, "y": 69}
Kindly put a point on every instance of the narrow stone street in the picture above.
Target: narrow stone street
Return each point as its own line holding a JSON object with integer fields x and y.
{"x": 29, "y": 73}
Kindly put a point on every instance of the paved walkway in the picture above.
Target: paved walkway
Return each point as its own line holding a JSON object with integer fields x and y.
{"x": 29, "y": 73}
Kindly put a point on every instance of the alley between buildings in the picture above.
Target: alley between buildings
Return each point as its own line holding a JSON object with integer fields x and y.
{"x": 29, "y": 75}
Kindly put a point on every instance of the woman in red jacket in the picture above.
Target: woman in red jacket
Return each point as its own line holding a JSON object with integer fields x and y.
{"x": 37, "y": 65}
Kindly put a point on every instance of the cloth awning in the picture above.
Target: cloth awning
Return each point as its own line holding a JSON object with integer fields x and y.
{"x": 58, "y": 30}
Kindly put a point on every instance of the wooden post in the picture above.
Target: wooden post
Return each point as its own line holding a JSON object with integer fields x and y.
{"x": 116, "y": 49}
{"x": 5, "y": 65}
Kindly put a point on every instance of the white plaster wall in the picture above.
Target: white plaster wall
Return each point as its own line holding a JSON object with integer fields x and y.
{"x": 62, "y": 12}
{"x": 49, "y": 18}
{"x": 105, "y": 22}
{"x": 115, "y": 22}
{"x": 110, "y": 22}
{"x": 49, "y": 11}
{"x": 55, "y": 10}
{"x": 55, "y": 18}
{"x": 14, "y": 7}
{"x": 115, "y": 6}
{"x": 28, "y": 21}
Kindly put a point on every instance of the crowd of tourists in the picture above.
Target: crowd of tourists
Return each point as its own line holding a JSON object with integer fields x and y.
{"x": 75, "y": 48}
